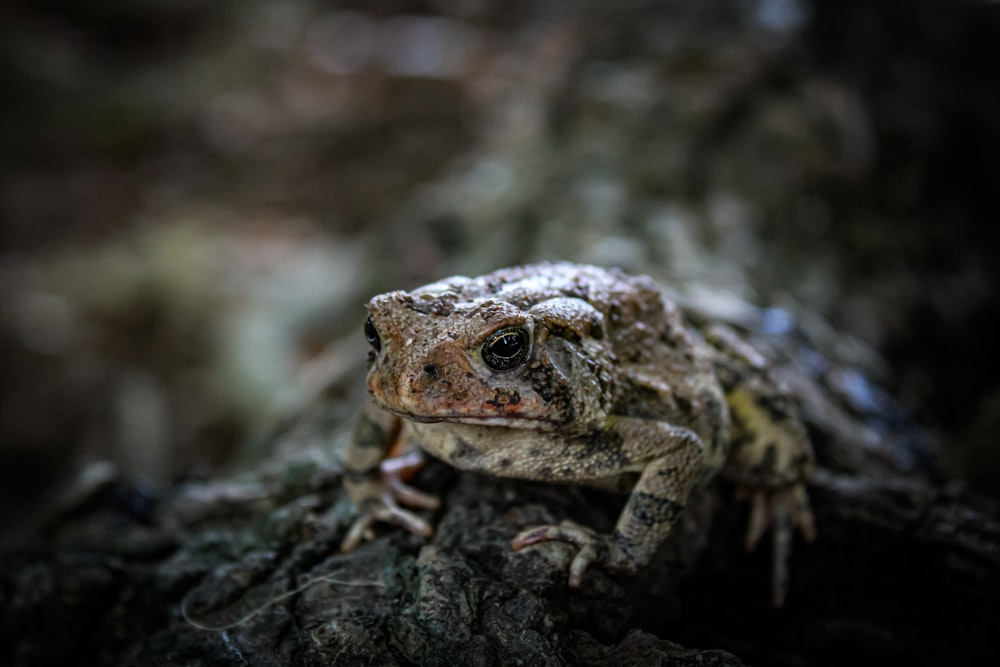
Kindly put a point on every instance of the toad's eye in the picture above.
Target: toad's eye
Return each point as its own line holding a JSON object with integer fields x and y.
{"x": 371, "y": 335}
{"x": 506, "y": 348}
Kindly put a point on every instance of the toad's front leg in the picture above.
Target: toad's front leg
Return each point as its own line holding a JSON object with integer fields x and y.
{"x": 655, "y": 503}
{"x": 375, "y": 484}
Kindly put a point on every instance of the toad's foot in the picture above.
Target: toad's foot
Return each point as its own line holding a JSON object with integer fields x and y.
{"x": 609, "y": 552}
{"x": 382, "y": 502}
{"x": 780, "y": 510}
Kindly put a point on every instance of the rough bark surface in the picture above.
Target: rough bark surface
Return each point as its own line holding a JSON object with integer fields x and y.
{"x": 246, "y": 570}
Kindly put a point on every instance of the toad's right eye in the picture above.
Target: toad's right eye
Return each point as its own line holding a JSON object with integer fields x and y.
{"x": 371, "y": 335}
{"x": 506, "y": 348}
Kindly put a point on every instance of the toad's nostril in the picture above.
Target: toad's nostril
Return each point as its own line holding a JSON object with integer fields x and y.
{"x": 431, "y": 371}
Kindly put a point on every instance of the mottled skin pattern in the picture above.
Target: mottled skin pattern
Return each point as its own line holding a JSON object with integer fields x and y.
{"x": 574, "y": 374}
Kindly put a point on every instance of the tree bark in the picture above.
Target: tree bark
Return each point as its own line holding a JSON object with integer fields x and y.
{"x": 247, "y": 570}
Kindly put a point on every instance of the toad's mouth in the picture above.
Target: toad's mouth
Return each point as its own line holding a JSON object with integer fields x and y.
{"x": 508, "y": 420}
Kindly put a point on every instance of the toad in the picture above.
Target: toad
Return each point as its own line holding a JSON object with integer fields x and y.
{"x": 574, "y": 374}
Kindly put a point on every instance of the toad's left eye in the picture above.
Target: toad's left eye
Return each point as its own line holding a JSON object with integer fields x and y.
{"x": 371, "y": 335}
{"x": 506, "y": 348}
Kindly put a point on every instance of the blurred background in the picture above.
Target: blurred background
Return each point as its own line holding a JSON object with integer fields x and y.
{"x": 197, "y": 198}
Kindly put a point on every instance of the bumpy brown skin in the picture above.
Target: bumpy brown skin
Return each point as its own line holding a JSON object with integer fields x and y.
{"x": 614, "y": 390}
